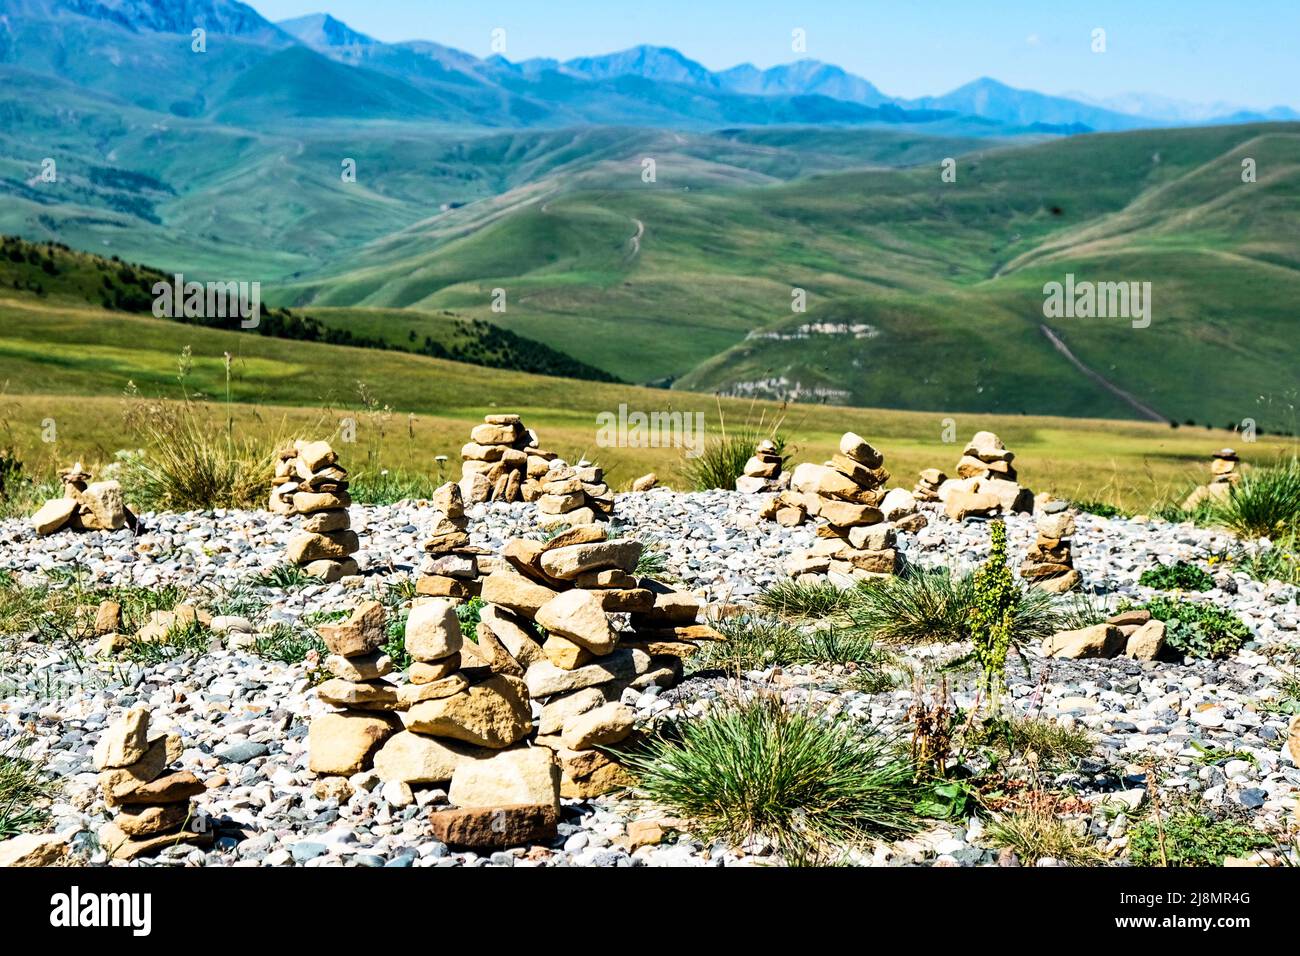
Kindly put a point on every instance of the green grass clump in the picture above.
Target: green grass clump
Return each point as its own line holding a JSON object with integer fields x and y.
{"x": 290, "y": 645}
{"x": 190, "y": 461}
{"x": 1036, "y": 833}
{"x": 282, "y": 577}
{"x": 1191, "y": 838}
{"x": 756, "y": 643}
{"x": 1265, "y": 503}
{"x": 191, "y": 638}
{"x": 653, "y": 562}
{"x": 817, "y": 599}
{"x": 388, "y": 487}
{"x": 1198, "y": 628}
{"x": 806, "y": 783}
{"x": 934, "y": 605}
{"x": 21, "y": 787}
{"x": 1054, "y": 744}
{"x": 1179, "y": 576}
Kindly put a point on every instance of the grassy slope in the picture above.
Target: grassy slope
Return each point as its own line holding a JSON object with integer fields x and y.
{"x": 72, "y": 364}
{"x": 954, "y": 270}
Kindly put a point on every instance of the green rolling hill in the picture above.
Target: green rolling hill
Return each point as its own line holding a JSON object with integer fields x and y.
{"x": 679, "y": 281}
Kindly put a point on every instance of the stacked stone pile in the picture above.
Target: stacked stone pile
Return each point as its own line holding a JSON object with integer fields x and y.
{"x": 986, "y": 484}
{"x": 451, "y": 565}
{"x": 849, "y": 493}
{"x": 503, "y": 462}
{"x": 1049, "y": 565}
{"x": 85, "y": 505}
{"x": 309, "y": 482}
{"x": 153, "y": 804}
{"x": 1223, "y": 470}
{"x": 342, "y": 742}
{"x": 574, "y": 495}
{"x": 928, "y": 484}
{"x": 763, "y": 470}
{"x": 516, "y": 719}
{"x": 1134, "y": 634}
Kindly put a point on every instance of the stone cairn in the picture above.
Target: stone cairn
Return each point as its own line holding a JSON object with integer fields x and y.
{"x": 514, "y": 721}
{"x": 153, "y": 805}
{"x": 1049, "y": 565}
{"x": 986, "y": 484}
{"x": 309, "y": 482}
{"x": 763, "y": 470}
{"x": 85, "y": 506}
{"x": 1223, "y": 470}
{"x": 451, "y": 565}
{"x": 928, "y": 484}
{"x": 502, "y": 462}
{"x": 574, "y": 495}
{"x": 849, "y": 493}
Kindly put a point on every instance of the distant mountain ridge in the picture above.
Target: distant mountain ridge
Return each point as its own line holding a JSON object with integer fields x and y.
{"x": 89, "y": 41}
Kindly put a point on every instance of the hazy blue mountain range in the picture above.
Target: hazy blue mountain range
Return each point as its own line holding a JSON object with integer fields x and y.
{"x": 255, "y": 71}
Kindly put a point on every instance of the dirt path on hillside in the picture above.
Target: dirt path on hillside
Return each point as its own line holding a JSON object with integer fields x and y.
{"x": 1138, "y": 406}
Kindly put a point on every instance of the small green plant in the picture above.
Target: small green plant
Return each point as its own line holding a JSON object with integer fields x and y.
{"x": 468, "y": 614}
{"x": 1198, "y": 628}
{"x": 1207, "y": 756}
{"x": 1281, "y": 562}
{"x": 653, "y": 562}
{"x": 756, "y": 769}
{"x": 21, "y": 788}
{"x": 1192, "y": 838}
{"x": 1179, "y": 576}
{"x": 290, "y": 645}
{"x": 992, "y": 614}
{"x": 283, "y": 577}
{"x": 395, "y": 647}
{"x": 191, "y": 638}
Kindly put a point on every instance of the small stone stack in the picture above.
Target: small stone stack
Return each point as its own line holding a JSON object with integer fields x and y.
{"x": 342, "y": 742}
{"x": 848, "y": 491}
{"x": 763, "y": 470}
{"x": 1223, "y": 470}
{"x": 309, "y": 482}
{"x": 986, "y": 484}
{"x": 451, "y": 565}
{"x": 154, "y": 808}
{"x": 574, "y": 495}
{"x": 928, "y": 484}
{"x": 502, "y": 462}
{"x": 85, "y": 506}
{"x": 1049, "y": 565}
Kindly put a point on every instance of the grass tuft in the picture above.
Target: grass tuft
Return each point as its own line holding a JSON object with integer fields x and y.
{"x": 21, "y": 788}
{"x": 755, "y": 769}
{"x": 1265, "y": 503}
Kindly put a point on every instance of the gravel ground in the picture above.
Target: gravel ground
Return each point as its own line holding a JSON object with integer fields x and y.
{"x": 244, "y": 719}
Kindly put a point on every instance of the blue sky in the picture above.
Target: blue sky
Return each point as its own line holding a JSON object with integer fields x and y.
{"x": 1199, "y": 50}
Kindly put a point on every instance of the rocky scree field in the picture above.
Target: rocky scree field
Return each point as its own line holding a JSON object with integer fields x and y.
{"x": 1181, "y": 760}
